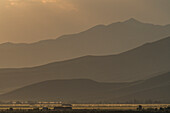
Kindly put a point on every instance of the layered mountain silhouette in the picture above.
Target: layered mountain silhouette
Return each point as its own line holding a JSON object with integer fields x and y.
{"x": 99, "y": 40}
{"x": 140, "y": 63}
{"x": 85, "y": 90}
{"x": 155, "y": 88}
{"x": 69, "y": 90}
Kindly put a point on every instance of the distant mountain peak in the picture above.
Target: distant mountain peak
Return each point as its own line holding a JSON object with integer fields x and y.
{"x": 132, "y": 20}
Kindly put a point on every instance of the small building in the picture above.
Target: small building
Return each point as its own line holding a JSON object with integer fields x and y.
{"x": 140, "y": 107}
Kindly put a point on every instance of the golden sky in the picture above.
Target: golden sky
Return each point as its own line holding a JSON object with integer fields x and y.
{"x": 34, "y": 20}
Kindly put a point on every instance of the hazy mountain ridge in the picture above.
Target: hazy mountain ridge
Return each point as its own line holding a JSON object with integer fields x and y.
{"x": 148, "y": 86}
{"x": 152, "y": 89}
{"x": 99, "y": 40}
{"x": 140, "y": 63}
{"x": 65, "y": 89}
{"x": 85, "y": 90}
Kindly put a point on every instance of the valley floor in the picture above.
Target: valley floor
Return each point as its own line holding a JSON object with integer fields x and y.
{"x": 86, "y": 111}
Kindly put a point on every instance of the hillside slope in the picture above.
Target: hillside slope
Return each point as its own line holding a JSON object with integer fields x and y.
{"x": 99, "y": 40}
{"x": 137, "y": 64}
{"x": 156, "y": 88}
{"x": 84, "y": 90}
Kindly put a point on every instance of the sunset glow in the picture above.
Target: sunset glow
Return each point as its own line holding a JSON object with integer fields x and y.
{"x": 46, "y": 19}
{"x": 84, "y": 56}
{"x": 62, "y": 4}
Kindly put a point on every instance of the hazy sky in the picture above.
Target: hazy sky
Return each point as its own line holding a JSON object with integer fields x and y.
{"x": 33, "y": 20}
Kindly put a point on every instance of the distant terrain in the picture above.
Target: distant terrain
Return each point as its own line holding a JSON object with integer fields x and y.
{"x": 143, "y": 62}
{"x": 89, "y": 91}
{"x": 84, "y": 56}
{"x": 99, "y": 40}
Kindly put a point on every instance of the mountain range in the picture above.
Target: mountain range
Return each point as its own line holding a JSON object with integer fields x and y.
{"x": 140, "y": 63}
{"x": 99, "y": 40}
{"x": 89, "y": 91}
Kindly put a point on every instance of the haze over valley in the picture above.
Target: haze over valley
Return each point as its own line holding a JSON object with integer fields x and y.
{"x": 89, "y": 91}
{"x": 84, "y": 51}
{"x": 99, "y": 40}
{"x": 140, "y": 63}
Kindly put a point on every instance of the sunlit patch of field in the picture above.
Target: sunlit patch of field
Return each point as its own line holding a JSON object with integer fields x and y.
{"x": 117, "y": 106}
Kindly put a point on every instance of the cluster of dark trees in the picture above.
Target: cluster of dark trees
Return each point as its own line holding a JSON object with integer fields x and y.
{"x": 161, "y": 109}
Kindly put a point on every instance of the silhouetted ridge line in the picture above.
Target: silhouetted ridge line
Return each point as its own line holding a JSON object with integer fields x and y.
{"x": 99, "y": 40}
{"x": 138, "y": 64}
{"x": 86, "y": 90}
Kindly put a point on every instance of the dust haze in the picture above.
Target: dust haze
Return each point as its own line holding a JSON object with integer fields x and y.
{"x": 34, "y": 20}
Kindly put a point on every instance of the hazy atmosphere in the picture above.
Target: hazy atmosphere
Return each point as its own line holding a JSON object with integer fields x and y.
{"x": 84, "y": 56}
{"x": 34, "y": 20}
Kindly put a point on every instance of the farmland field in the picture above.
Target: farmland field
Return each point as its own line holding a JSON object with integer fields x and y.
{"x": 84, "y": 106}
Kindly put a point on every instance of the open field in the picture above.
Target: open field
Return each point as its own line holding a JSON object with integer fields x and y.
{"x": 86, "y": 111}
{"x": 83, "y": 106}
